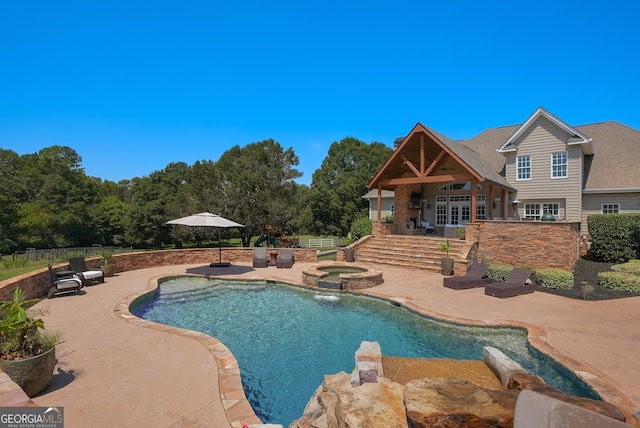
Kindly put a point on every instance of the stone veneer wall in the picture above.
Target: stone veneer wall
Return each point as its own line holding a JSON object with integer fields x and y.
{"x": 540, "y": 244}
{"x": 382, "y": 228}
{"x": 402, "y": 212}
{"x": 36, "y": 284}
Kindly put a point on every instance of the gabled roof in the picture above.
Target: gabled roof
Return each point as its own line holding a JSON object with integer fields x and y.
{"x": 576, "y": 137}
{"x": 373, "y": 194}
{"x": 438, "y": 145}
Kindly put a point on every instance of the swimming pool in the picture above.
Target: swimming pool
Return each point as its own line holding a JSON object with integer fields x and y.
{"x": 285, "y": 340}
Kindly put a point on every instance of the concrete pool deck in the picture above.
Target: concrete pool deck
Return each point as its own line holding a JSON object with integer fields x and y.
{"x": 111, "y": 372}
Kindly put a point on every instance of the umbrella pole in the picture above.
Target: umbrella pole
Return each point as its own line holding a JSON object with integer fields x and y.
{"x": 220, "y": 264}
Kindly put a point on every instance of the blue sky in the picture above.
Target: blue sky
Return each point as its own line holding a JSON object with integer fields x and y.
{"x": 132, "y": 86}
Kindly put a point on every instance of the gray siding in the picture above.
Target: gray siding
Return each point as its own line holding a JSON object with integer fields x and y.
{"x": 541, "y": 140}
{"x": 387, "y": 203}
{"x": 591, "y": 204}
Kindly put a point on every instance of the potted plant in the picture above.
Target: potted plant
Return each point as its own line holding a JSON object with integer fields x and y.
{"x": 447, "y": 262}
{"x": 105, "y": 264}
{"x": 349, "y": 253}
{"x": 461, "y": 232}
{"x": 27, "y": 352}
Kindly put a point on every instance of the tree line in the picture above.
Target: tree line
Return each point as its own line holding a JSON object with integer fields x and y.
{"x": 47, "y": 200}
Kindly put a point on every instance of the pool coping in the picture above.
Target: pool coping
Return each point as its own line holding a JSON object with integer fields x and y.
{"x": 238, "y": 410}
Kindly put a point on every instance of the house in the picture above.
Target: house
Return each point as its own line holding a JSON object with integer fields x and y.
{"x": 518, "y": 172}
{"x": 387, "y": 203}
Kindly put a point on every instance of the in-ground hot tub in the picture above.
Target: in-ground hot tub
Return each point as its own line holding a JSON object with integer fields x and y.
{"x": 341, "y": 276}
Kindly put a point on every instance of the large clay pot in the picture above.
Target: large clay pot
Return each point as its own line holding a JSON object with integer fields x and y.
{"x": 349, "y": 254}
{"x": 108, "y": 270}
{"x": 31, "y": 374}
{"x": 447, "y": 266}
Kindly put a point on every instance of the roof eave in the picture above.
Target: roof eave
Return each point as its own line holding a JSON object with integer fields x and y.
{"x": 611, "y": 190}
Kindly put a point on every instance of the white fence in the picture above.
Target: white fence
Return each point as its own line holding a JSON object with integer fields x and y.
{"x": 321, "y": 243}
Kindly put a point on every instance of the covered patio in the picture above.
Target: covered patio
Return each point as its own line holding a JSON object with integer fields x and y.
{"x": 440, "y": 184}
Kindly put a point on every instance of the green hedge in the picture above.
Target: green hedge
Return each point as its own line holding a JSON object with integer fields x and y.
{"x": 615, "y": 238}
{"x": 621, "y": 281}
{"x": 499, "y": 272}
{"x": 632, "y": 266}
{"x": 554, "y": 278}
{"x": 360, "y": 227}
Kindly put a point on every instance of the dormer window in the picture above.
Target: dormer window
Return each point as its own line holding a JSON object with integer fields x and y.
{"x": 523, "y": 171}
{"x": 559, "y": 165}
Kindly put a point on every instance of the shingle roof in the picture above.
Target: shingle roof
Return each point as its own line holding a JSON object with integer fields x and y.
{"x": 473, "y": 159}
{"x": 615, "y": 163}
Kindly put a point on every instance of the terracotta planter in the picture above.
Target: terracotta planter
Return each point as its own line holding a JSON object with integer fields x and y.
{"x": 108, "y": 270}
{"x": 31, "y": 374}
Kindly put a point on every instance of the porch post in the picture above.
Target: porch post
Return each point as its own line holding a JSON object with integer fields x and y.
{"x": 474, "y": 199}
{"x": 503, "y": 204}
{"x": 490, "y": 203}
{"x": 379, "y": 217}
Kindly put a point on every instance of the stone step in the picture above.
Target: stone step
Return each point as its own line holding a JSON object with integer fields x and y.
{"x": 417, "y": 252}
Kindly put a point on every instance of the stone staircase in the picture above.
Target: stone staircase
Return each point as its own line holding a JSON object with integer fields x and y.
{"x": 417, "y": 252}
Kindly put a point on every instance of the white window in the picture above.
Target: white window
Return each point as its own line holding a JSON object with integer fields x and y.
{"x": 535, "y": 211}
{"x": 532, "y": 211}
{"x": 559, "y": 165}
{"x": 458, "y": 185}
{"x": 481, "y": 207}
{"x": 523, "y": 171}
{"x": 441, "y": 210}
{"x": 610, "y": 208}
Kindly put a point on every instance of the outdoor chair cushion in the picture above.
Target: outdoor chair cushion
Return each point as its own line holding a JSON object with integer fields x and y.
{"x": 285, "y": 258}
{"x": 260, "y": 257}
{"x": 87, "y": 276}
{"x": 63, "y": 285}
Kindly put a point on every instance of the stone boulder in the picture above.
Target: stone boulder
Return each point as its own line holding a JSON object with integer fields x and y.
{"x": 455, "y": 402}
{"x": 372, "y": 405}
{"x": 338, "y": 404}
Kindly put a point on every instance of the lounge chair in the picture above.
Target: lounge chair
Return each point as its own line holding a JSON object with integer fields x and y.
{"x": 260, "y": 257}
{"x": 285, "y": 258}
{"x": 63, "y": 285}
{"x": 473, "y": 278}
{"x": 87, "y": 276}
{"x": 514, "y": 285}
{"x": 427, "y": 226}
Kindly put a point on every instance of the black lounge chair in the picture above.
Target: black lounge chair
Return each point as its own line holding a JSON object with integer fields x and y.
{"x": 285, "y": 258}
{"x": 260, "y": 257}
{"x": 473, "y": 278}
{"x": 87, "y": 276}
{"x": 514, "y": 285}
{"x": 63, "y": 285}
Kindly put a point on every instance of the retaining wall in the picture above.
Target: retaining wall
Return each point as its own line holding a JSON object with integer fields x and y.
{"x": 36, "y": 284}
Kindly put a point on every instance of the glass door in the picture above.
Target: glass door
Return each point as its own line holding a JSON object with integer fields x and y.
{"x": 459, "y": 213}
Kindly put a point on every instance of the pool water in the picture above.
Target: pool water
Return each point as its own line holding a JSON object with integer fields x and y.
{"x": 285, "y": 340}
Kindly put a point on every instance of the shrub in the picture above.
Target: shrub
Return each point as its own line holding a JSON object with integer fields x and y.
{"x": 621, "y": 281}
{"x": 388, "y": 218}
{"x": 632, "y": 266}
{"x": 615, "y": 238}
{"x": 360, "y": 227}
{"x": 499, "y": 272}
{"x": 554, "y": 278}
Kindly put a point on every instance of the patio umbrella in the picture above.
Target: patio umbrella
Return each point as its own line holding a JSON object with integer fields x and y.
{"x": 208, "y": 220}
